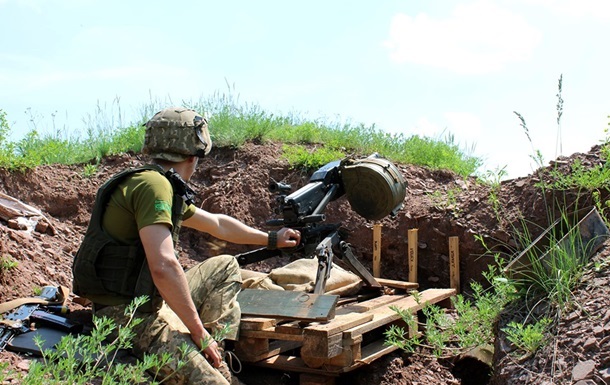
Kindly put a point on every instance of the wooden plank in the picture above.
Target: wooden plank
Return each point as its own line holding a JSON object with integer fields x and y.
{"x": 364, "y": 306}
{"x": 325, "y": 340}
{"x": 454, "y": 263}
{"x": 287, "y": 304}
{"x": 373, "y": 351}
{"x": 352, "y": 351}
{"x": 412, "y": 254}
{"x": 384, "y": 315}
{"x": 249, "y": 348}
{"x": 293, "y": 327}
{"x": 271, "y": 334}
{"x": 316, "y": 351}
{"x": 253, "y": 353}
{"x": 397, "y": 284}
{"x": 340, "y": 323}
{"x": 248, "y": 323}
{"x": 377, "y": 250}
{"x": 296, "y": 364}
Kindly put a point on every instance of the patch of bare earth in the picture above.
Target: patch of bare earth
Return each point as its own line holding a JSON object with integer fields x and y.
{"x": 439, "y": 204}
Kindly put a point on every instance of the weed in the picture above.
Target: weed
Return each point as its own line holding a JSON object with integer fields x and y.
{"x": 83, "y": 358}
{"x": 528, "y": 338}
{"x": 472, "y": 324}
{"x": 493, "y": 179}
{"x": 7, "y": 263}
{"x": 447, "y": 201}
{"x": 89, "y": 170}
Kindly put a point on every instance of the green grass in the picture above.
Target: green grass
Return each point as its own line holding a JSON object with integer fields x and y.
{"x": 232, "y": 124}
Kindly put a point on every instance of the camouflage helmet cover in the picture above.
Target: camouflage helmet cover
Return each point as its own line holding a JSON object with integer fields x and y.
{"x": 176, "y": 133}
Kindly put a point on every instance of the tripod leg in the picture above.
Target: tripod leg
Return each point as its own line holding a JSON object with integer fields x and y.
{"x": 325, "y": 260}
{"x": 356, "y": 267}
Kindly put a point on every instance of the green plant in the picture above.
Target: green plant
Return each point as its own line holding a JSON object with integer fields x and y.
{"x": 37, "y": 290}
{"x": 89, "y": 170}
{"x": 5, "y": 372}
{"x": 7, "y": 263}
{"x": 85, "y": 358}
{"x": 555, "y": 268}
{"x": 493, "y": 180}
{"x": 528, "y": 338}
{"x": 471, "y": 326}
{"x": 446, "y": 201}
{"x": 7, "y": 149}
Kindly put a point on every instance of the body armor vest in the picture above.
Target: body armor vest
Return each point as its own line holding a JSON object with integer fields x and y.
{"x": 104, "y": 267}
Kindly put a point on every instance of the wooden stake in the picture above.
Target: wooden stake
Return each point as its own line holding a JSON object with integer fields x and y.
{"x": 454, "y": 263}
{"x": 377, "y": 250}
{"x": 412, "y": 257}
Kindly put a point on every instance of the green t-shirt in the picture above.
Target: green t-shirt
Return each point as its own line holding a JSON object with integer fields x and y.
{"x": 142, "y": 199}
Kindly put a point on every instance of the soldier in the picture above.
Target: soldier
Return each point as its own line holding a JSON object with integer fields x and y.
{"x": 129, "y": 251}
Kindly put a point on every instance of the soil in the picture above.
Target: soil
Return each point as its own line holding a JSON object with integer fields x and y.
{"x": 440, "y": 204}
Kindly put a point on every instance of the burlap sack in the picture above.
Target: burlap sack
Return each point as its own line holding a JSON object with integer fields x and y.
{"x": 300, "y": 275}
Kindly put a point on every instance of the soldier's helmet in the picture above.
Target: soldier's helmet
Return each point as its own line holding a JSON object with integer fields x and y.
{"x": 176, "y": 133}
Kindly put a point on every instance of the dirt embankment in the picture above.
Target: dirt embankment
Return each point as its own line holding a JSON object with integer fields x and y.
{"x": 439, "y": 204}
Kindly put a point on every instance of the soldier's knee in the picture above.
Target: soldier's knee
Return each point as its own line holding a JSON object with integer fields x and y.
{"x": 228, "y": 262}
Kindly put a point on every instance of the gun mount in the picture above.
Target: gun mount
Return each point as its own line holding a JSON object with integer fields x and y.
{"x": 303, "y": 210}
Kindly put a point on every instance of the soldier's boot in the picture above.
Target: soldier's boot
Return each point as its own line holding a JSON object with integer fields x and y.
{"x": 230, "y": 365}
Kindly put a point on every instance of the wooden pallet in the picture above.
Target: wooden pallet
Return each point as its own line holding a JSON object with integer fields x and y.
{"x": 353, "y": 338}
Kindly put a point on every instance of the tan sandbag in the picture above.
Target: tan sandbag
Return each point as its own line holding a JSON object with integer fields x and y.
{"x": 257, "y": 280}
{"x": 300, "y": 275}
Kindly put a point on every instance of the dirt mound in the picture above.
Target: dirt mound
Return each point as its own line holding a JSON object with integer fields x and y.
{"x": 439, "y": 204}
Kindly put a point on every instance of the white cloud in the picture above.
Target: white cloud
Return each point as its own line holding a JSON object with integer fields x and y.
{"x": 478, "y": 37}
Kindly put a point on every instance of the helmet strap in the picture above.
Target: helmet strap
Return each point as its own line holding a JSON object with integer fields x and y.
{"x": 180, "y": 187}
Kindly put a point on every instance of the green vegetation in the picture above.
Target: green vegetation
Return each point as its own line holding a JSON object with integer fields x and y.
{"x": 232, "y": 124}
{"x": 446, "y": 201}
{"x": 308, "y": 144}
{"x": 471, "y": 326}
{"x": 528, "y": 338}
{"x": 550, "y": 273}
{"x": 7, "y": 263}
{"x": 83, "y": 359}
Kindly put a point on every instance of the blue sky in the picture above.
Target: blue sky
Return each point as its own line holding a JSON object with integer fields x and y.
{"x": 416, "y": 67}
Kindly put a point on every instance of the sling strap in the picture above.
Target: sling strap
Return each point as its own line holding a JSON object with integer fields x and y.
{"x": 62, "y": 297}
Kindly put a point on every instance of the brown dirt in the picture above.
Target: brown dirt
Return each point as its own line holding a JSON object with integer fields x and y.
{"x": 439, "y": 204}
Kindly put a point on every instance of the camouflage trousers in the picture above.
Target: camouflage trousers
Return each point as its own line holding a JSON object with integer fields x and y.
{"x": 214, "y": 285}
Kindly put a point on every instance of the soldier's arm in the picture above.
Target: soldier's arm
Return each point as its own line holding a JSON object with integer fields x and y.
{"x": 232, "y": 230}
